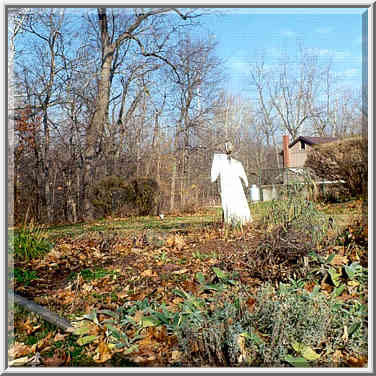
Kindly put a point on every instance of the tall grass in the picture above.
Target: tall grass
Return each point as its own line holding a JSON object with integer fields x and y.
{"x": 29, "y": 242}
{"x": 296, "y": 210}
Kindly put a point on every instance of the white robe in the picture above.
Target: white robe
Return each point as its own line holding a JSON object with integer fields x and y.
{"x": 234, "y": 203}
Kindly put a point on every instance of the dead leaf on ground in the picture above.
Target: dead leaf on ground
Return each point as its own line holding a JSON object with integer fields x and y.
{"x": 178, "y": 300}
{"x": 176, "y": 355}
{"x": 57, "y": 360}
{"x": 179, "y": 242}
{"x": 147, "y": 273}
{"x": 122, "y": 294}
{"x": 103, "y": 353}
{"x": 19, "y": 350}
{"x": 251, "y": 302}
{"x": 19, "y": 362}
{"x": 357, "y": 362}
{"x": 170, "y": 241}
{"x": 309, "y": 286}
{"x": 339, "y": 260}
{"x": 169, "y": 267}
{"x": 60, "y": 337}
{"x": 344, "y": 297}
{"x": 339, "y": 250}
{"x": 44, "y": 342}
{"x": 326, "y": 287}
{"x": 182, "y": 271}
{"x": 337, "y": 356}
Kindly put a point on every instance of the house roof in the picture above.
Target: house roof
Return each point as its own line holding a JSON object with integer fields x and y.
{"x": 311, "y": 141}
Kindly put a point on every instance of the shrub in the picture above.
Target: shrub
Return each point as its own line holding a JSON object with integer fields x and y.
{"x": 332, "y": 193}
{"x": 292, "y": 314}
{"x": 141, "y": 197}
{"x": 112, "y": 195}
{"x": 107, "y": 195}
{"x": 211, "y": 337}
{"x": 342, "y": 160}
{"x": 29, "y": 242}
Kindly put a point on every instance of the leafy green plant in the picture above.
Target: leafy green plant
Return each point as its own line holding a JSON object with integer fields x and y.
{"x": 24, "y": 276}
{"x": 299, "y": 322}
{"x": 287, "y": 326}
{"x": 200, "y": 256}
{"x": 29, "y": 242}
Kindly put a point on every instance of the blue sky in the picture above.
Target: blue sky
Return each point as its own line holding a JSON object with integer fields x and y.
{"x": 330, "y": 33}
{"x": 244, "y": 33}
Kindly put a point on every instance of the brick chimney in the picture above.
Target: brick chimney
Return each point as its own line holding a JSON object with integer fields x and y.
{"x": 286, "y": 155}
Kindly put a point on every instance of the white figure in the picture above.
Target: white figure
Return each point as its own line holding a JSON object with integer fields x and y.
{"x": 234, "y": 203}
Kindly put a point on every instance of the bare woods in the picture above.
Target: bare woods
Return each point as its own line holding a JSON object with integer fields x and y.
{"x": 138, "y": 93}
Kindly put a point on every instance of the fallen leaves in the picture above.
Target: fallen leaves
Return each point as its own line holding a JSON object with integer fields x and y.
{"x": 251, "y": 303}
{"x": 60, "y": 337}
{"x": 58, "y": 359}
{"x": 19, "y": 362}
{"x": 18, "y": 350}
{"x": 176, "y": 355}
{"x": 135, "y": 270}
{"x": 339, "y": 260}
{"x": 306, "y": 351}
{"x": 102, "y": 353}
{"x": 357, "y": 362}
{"x": 148, "y": 273}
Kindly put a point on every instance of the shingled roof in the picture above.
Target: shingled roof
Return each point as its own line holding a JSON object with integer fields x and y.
{"x": 313, "y": 140}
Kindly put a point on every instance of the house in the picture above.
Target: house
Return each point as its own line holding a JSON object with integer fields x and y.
{"x": 295, "y": 154}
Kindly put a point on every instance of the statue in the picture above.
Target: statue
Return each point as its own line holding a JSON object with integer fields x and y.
{"x": 234, "y": 203}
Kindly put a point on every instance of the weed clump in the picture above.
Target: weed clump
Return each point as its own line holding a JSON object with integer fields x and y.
{"x": 293, "y": 227}
{"x": 212, "y": 337}
{"x": 29, "y": 242}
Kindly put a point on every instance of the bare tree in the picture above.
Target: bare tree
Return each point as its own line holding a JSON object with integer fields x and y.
{"x": 16, "y": 18}
{"x": 136, "y": 27}
{"x": 266, "y": 115}
{"x": 292, "y": 95}
{"x": 194, "y": 91}
{"x": 44, "y": 29}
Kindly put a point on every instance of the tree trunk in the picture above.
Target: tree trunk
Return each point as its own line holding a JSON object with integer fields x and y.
{"x": 95, "y": 130}
{"x": 173, "y": 184}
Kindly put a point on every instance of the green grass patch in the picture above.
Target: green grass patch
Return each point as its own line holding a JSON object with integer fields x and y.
{"x": 24, "y": 276}
{"x": 91, "y": 274}
{"x": 169, "y": 223}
